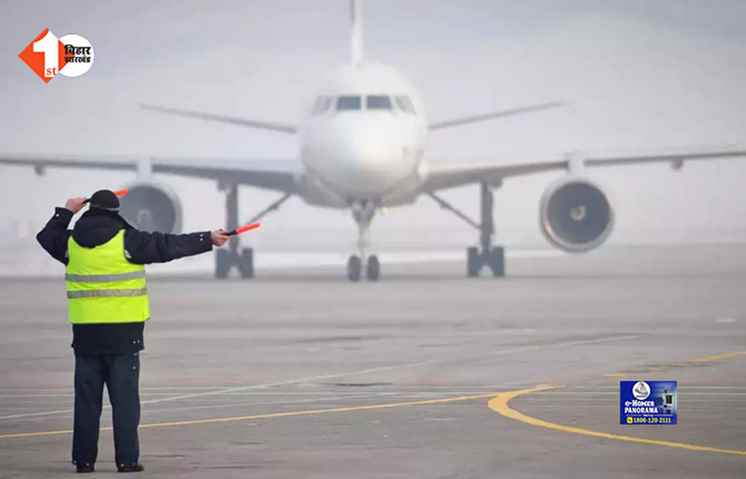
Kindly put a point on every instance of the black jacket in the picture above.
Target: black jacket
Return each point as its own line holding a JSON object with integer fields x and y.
{"x": 97, "y": 227}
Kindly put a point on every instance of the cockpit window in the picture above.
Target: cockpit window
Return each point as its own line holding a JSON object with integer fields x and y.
{"x": 405, "y": 104}
{"x": 321, "y": 105}
{"x": 378, "y": 102}
{"x": 348, "y": 103}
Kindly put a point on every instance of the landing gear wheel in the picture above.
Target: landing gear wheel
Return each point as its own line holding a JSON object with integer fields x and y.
{"x": 473, "y": 262}
{"x": 354, "y": 268}
{"x": 222, "y": 263}
{"x": 246, "y": 263}
{"x": 373, "y": 271}
{"x": 497, "y": 261}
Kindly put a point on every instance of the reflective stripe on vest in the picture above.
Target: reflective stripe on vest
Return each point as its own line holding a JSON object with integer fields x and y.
{"x": 103, "y": 278}
{"x": 103, "y": 286}
{"x": 107, "y": 293}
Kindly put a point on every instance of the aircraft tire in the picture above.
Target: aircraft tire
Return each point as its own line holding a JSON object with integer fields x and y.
{"x": 354, "y": 268}
{"x": 373, "y": 271}
{"x": 497, "y": 261}
{"x": 473, "y": 262}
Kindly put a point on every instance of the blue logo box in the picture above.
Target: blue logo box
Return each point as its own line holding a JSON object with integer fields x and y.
{"x": 648, "y": 402}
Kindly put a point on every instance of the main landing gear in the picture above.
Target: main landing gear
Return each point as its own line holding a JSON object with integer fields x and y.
{"x": 360, "y": 264}
{"x": 485, "y": 255}
{"x": 242, "y": 259}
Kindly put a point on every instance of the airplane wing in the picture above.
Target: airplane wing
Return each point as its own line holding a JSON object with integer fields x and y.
{"x": 231, "y": 120}
{"x": 271, "y": 174}
{"x": 451, "y": 175}
{"x": 439, "y": 125}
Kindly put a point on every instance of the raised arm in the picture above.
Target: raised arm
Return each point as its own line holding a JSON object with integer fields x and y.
{"x": 146, "y": 248}
{"x": 53, "y": 237}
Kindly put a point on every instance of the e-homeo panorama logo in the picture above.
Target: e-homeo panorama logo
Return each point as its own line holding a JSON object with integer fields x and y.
{"x": 641, "y": 390}
{"x": 47, "y": 55}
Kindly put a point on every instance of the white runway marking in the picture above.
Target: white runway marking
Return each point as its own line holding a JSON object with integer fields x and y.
{"x": 37, "y": 414}
{"x": 430, "y": 362}
{"x": 146, "y": 393}
{"x": 725, "y": 320}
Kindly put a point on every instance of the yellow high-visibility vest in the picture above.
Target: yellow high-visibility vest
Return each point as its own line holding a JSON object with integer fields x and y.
{"x": 103, "y": 287}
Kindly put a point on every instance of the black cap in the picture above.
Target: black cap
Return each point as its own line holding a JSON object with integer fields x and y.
{"x": 105, "y": 200}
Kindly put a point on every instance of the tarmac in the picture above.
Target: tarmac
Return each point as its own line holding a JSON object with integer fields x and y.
{"x": 425, "y": 374}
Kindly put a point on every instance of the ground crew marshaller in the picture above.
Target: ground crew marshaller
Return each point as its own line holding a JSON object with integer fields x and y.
{"x": 108, "y": 306}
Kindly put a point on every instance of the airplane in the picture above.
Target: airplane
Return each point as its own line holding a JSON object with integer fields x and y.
{"x": 362, "y": 148}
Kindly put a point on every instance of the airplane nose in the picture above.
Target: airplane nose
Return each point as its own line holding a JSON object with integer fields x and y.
{"x": 362, "y": 156}
{"x": 371, "y": 156}
{"x": 370, "y": 164}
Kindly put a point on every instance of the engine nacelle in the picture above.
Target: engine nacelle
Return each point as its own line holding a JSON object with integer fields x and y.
{"x": 575, "y": 215}
{"x": 152, "y": 207}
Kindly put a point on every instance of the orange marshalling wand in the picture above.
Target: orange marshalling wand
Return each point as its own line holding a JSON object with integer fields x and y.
{"x": 244, "y": 229}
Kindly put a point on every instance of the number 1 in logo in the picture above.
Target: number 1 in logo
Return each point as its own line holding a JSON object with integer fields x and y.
{"x": 44, "y": 55}
{"x": 48, "y": 45}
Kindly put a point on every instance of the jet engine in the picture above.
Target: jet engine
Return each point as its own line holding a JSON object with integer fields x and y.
{"x": 152, "y": 207}
{"x": 575, "y": 215}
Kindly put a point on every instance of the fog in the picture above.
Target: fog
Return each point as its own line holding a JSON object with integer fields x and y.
{"x": 637, "y": 76}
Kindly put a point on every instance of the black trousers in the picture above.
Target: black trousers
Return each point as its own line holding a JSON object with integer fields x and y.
{"x": 121, "y": 374}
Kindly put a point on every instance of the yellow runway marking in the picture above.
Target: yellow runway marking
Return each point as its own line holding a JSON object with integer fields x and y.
{"x": 499, "y": 404}
{"x": 309, "y": 412}
{"x": 717, "y": 357}
{"x": 713, "y": 358}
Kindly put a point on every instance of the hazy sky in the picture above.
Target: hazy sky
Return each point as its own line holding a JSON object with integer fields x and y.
{"x": 638, "y": 76}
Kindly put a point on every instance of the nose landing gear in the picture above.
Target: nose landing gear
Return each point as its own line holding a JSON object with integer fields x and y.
{"x": 363, "y": 212}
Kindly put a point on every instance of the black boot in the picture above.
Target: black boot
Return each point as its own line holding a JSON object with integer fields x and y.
{"x": 130, "y": 467}
{"x": 85, "y": 467}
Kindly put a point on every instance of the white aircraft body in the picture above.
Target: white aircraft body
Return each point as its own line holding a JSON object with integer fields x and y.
{"x": 363, "y": 147}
